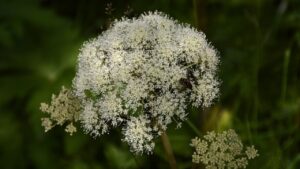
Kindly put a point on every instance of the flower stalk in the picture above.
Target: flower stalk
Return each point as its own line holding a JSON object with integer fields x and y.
{"x": 168, "y": 150}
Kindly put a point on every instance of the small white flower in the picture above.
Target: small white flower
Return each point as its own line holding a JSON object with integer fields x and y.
{"x": 138, "y": 134}
{"x": 251, "y": 152}
{"x": 64, "y": 107}
{"x": 90, "y": 120}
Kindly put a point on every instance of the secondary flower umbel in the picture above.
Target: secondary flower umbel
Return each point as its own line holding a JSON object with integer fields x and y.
{"x": 141, "y": 74}
{"x": 222, "y": 150}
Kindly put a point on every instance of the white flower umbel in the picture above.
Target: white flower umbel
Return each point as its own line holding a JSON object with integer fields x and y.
{"x": 63, "y": 108}
{"x": 142, "y": 73}
{"x": 222, "y": 150}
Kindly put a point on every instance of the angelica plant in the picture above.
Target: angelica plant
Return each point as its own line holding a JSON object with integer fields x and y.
{"x": 222, "y": 150}
{"x": 141, "y": 75}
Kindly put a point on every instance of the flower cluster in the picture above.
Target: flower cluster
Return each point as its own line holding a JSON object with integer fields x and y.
{"x": 222, "y": 150}
{"x": 64, "y": 107}
{"x": 141, "y": 74}
{"x": 138, "y": 134}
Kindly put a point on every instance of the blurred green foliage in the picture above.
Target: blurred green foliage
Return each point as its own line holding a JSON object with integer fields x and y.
{"x": 258, "y": 41}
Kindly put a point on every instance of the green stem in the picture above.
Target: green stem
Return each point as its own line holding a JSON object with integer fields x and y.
{"x": 285, "y": 73}
{"x": 193, "y": 127}
{"x": 195, "y": 13}
{"x": 199, "y": 14}
{"x": 168, "y": 149}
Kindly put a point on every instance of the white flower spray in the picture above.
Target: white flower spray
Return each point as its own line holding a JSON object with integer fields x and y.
{"x": 64, "y": 107}
{"x": 141, "y": 75}
{"x": 222, "y": 150}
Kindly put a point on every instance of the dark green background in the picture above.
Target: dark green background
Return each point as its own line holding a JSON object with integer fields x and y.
{"x": 258, "y": 42}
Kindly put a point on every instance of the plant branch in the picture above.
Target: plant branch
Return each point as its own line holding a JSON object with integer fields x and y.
{"x": 168, "y": 150}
